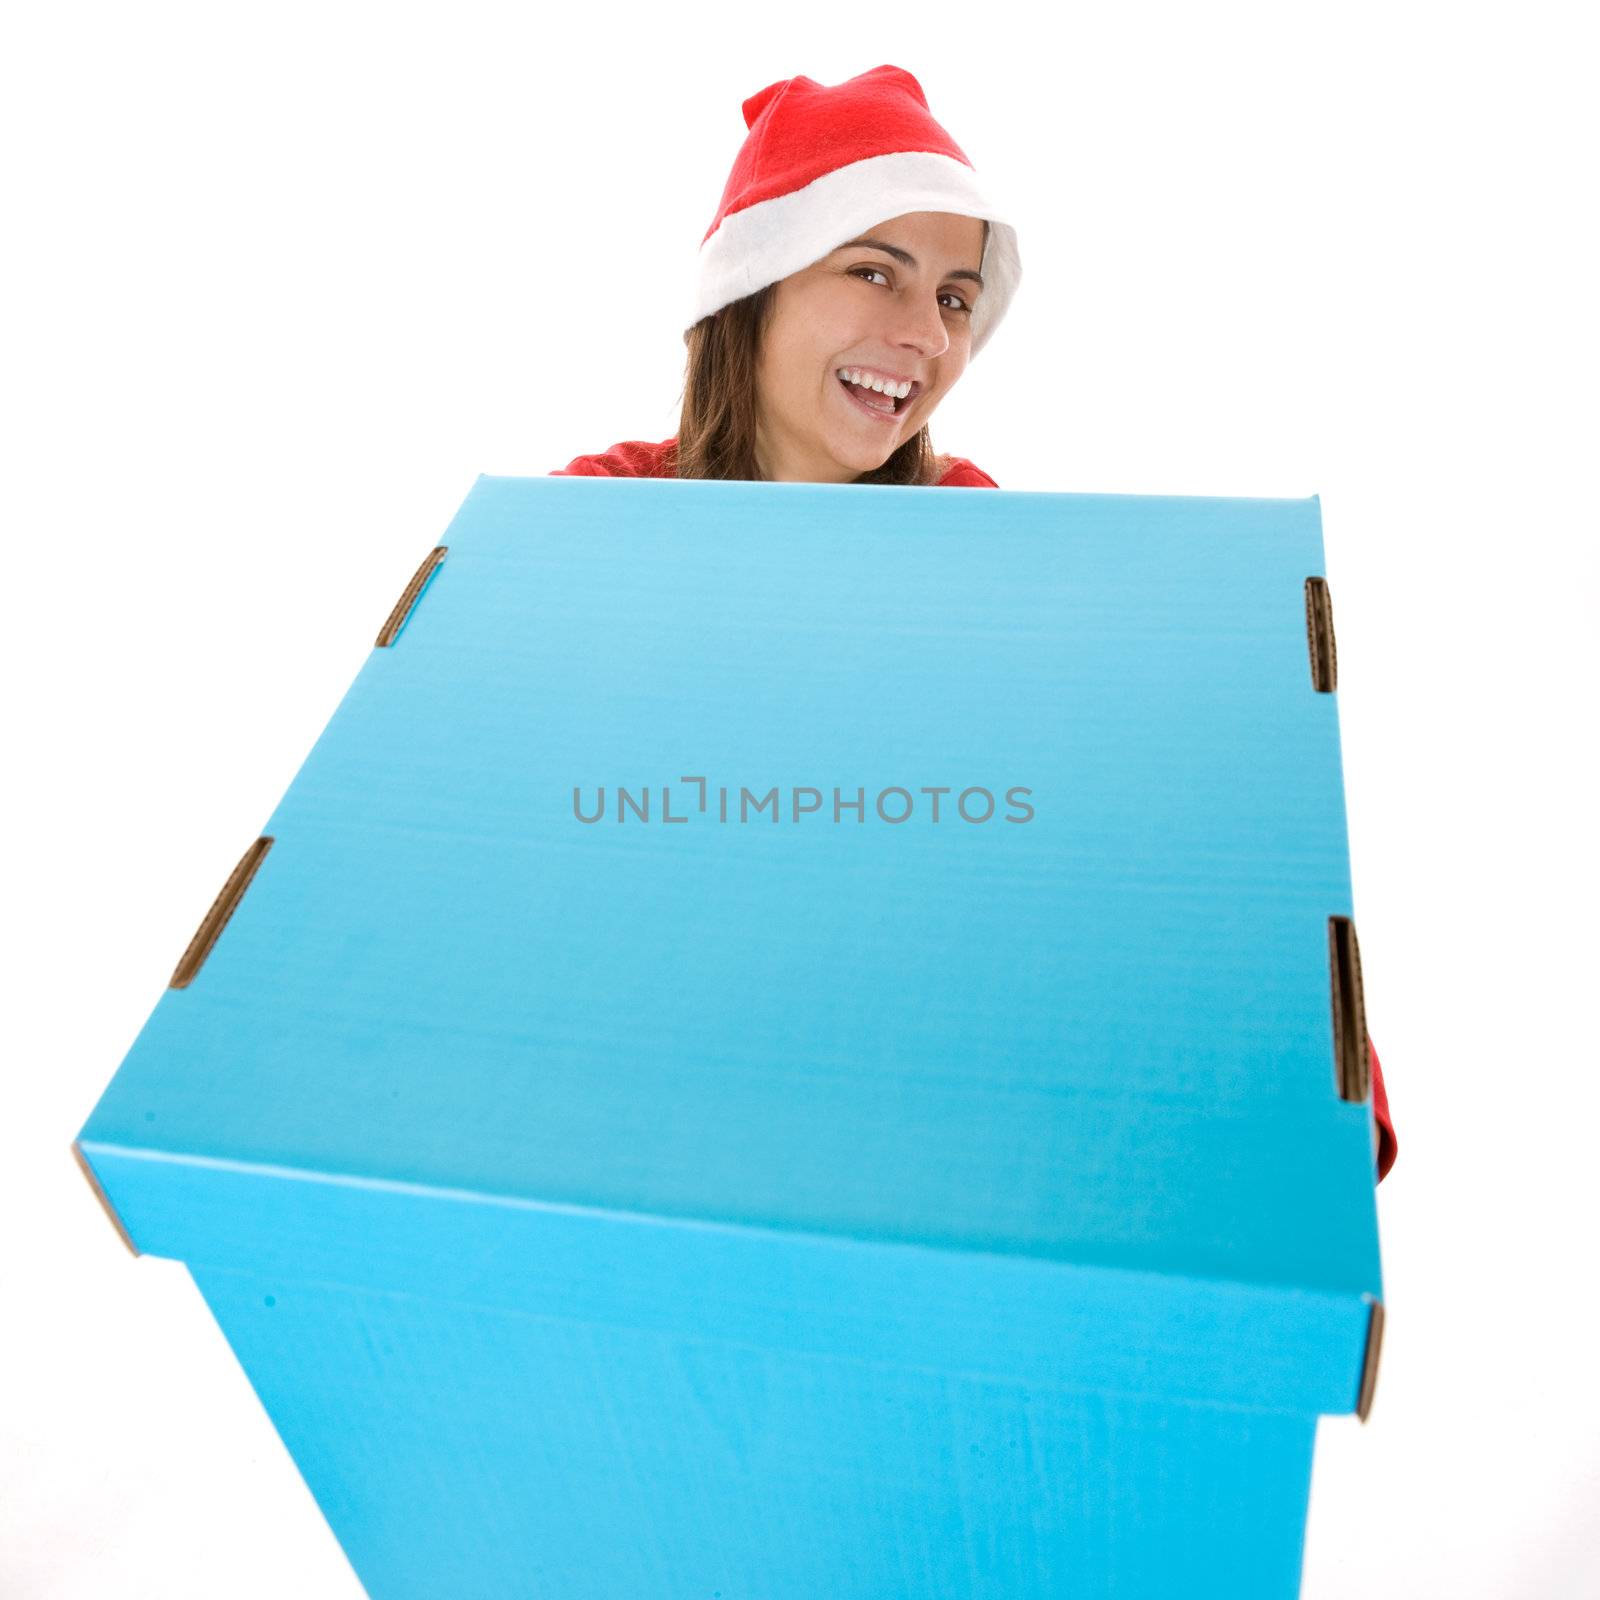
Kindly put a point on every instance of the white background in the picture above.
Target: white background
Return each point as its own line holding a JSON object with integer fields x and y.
{"x": 282, "y": 280}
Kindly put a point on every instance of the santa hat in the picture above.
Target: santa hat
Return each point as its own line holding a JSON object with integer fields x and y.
{"x": 822, "y": 165}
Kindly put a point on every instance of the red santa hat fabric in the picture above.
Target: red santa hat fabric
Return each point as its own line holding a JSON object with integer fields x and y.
{"x": 821, "y": 165}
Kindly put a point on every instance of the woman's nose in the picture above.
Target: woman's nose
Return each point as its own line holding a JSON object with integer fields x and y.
{"x": 923, "y": 328}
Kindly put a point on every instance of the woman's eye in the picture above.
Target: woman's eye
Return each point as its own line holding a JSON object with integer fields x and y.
{"x": 949, "y": 294}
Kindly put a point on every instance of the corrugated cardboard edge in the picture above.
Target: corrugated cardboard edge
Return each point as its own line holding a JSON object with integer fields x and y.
{"x": 1320, "y": 642}
{"x": 1352, "y": 1062}
{"x": 1369, "y": 1361}
{"x": 216, "y": 919}
{"x": 390, "y": 631}
{"x": 100, "y": 1195}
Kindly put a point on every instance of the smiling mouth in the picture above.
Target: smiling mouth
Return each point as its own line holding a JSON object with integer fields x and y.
{"x": 872, "y": 403}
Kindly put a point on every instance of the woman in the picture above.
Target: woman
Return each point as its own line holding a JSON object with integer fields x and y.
{"x": 854, "y": 268}
{"x": 831, "y": 374}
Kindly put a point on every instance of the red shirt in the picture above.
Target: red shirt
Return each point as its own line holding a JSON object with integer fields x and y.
{"x": 633, "y": 458}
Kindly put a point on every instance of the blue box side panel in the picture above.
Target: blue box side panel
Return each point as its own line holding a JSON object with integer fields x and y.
{"x": 456, "y": 1451}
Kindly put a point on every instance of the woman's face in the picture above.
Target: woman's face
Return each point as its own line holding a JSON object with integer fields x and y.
{"x": 898, "y": 307}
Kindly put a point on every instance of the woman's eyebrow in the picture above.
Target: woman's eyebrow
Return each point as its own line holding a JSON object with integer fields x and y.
{"x": 906, "y": 259}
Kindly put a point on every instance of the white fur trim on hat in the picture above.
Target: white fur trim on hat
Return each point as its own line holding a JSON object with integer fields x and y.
{"x": 774, "y": 238}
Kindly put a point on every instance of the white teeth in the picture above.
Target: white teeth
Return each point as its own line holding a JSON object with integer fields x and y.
{"x": 877, "y": 385}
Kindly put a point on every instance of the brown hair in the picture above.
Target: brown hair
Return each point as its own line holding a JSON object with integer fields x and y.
{"x": 717, "y": 427}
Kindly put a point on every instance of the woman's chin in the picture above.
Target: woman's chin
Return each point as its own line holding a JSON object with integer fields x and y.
{"x": 863, "y": 455}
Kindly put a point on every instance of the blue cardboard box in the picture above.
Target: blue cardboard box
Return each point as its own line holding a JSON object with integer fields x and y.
{"x": 794, "y": 1041}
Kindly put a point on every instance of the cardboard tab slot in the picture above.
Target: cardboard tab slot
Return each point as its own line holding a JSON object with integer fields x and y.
{"x": 390, "y": 631}
{"x": 100, "y": 1195}
{"x": 1319, "y": 636}
{"x": 1369, "y": 1361}
{"x": 1352, "y": 1063}
{"x": 216, "y": 919}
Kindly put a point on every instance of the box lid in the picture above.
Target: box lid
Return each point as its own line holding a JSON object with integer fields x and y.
{"x": 1084, "y": 1053}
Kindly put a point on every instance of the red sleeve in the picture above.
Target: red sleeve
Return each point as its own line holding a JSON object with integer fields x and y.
{"x": 632, "y": 458}
{"x": 963, "y": 474}
{"x": 583, "y": 467}
{"x": 1388, "y": 1145}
